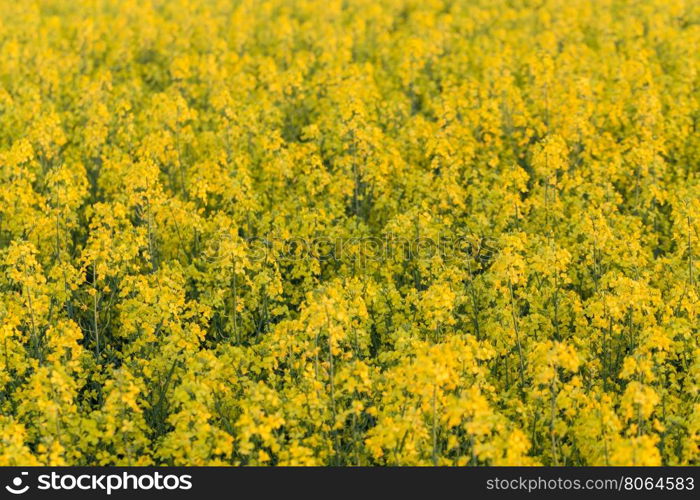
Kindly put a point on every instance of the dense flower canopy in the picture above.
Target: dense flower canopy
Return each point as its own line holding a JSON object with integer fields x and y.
{"x": 349, "y": 232}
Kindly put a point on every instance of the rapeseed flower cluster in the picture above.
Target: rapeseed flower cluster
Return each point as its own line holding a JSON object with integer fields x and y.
{"x": 222, "y": 228}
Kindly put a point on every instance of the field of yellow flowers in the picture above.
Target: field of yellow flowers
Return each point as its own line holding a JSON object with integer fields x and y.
{"x": 349, "y": 232}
